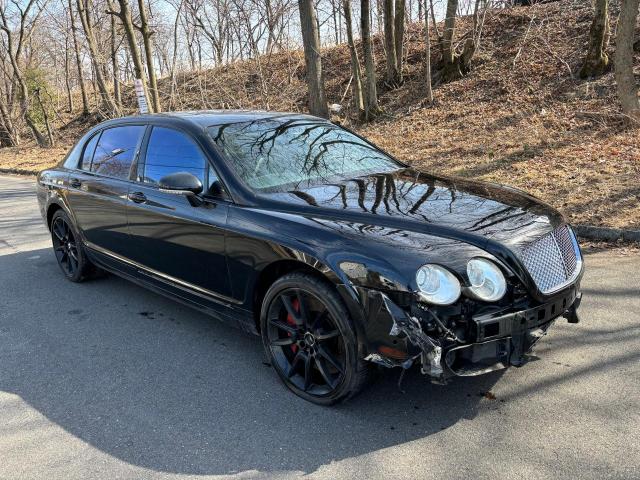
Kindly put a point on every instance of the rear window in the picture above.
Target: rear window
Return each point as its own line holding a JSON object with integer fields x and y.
{"x": 116, "y": 150}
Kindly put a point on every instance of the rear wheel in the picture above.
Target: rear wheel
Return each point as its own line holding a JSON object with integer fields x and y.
{"x": 309, "y": 338}
{"x": 68, "y": 249}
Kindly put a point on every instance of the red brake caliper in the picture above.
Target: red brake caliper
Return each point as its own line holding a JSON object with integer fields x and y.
{"x": 291, "y": 321}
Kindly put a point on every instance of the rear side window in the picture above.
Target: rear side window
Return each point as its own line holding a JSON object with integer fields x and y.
{"x": 116, "y": 150}
{"x": 87, "y": 154}
{"x": 170, "y": 151}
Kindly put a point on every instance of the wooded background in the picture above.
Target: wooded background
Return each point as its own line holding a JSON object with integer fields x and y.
{"x": 514, "y": 90}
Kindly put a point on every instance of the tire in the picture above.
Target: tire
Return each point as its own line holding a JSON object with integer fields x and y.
{"x": 309, "y": 339}
{"x": 68, "y": 249}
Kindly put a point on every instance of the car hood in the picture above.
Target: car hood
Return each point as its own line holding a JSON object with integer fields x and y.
{"x": 412, "y": 200}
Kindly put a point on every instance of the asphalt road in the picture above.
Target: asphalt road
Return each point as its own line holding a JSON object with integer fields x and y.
{"x": 107, "y": 380}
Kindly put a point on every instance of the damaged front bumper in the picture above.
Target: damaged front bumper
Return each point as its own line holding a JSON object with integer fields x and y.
{"x": 494, "y": 341}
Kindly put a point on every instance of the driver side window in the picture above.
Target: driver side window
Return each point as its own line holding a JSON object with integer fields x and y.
{"x": 170, "y": 151}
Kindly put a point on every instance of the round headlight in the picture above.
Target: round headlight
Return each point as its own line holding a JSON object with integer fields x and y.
{"x": 437, "y": 285}
{"x": 486, "y": 279}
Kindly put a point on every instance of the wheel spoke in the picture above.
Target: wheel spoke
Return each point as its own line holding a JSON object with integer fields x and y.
{"x": 321, "y": 337}
{"x": 74, "y": 262}
{"x": 307, "y": 372}
{"x": 65, "y": 229}
{"x": 283, "y": 326}
{"x": 73, "y": 253}
{"x": 288, "y": 304}
{"x": 294, "y": 364}
{"x": 281, "y": 342}
{"x": 302, "y": 308}
{"x": 330, "y": 358}
{"x": 319, "y": 319}
{"x": 70, "y": 267}
{"x": 324, "y": 372}
{"x": 57, "y": 231}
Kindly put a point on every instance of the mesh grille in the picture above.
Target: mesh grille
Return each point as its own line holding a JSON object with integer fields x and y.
{"x": 551, "y": 260}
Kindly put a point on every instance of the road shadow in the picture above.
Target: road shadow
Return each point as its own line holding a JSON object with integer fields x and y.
{"x": 160, "y": 386}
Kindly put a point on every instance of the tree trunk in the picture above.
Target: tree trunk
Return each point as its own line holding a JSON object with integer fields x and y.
{"x": 9, "y": 136}
{"x": 114, "y": 59}
{"x": 76, "y": 49}
{"x": 371, "y": 108}
{"x": 597, "y": 62}
{"x": 399, "y": 35}
{"x": 311, "y": 40}
{"x": 392, "y": 77}
{"x": 84, "y": 6}
{"x": 450, "y": 67}
{"x": 14, "y": 55}
{"x": 67, "y": 75}
{"x": 146, "y": 38}
{"x": 427, "y": 60}
{"x": 434, "y": 22}
{"x": 45, "y": 115}
{"x": 127, "y": 23}
{"x": 358, "y": 101}
{"x": 174, "y": 57}
{"x": 627, "y": 88}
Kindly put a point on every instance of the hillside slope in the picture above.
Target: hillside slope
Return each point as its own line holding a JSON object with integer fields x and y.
{"x": 521, "y": 117}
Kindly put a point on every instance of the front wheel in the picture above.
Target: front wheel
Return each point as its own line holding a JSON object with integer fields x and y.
{"x": 310, "y": 341}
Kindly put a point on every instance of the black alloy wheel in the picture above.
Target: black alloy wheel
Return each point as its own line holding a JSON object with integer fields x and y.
{"x": 68, "y": 249}
{"x": 309, "y": 339}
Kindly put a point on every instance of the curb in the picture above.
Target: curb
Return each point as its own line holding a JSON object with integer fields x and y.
{"x": 606, "y": 234}
{"x": 18, "y": 171}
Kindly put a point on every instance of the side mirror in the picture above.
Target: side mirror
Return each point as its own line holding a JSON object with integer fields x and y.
{"x": 180, "y": 183}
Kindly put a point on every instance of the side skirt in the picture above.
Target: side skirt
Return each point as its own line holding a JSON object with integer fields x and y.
{"x": 228, "y": 313}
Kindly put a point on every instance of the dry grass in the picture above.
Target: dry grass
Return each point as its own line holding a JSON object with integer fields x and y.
{"x": 521, "y": 117}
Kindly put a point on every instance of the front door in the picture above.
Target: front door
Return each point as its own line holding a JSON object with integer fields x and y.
{"x": 175, "y": 240}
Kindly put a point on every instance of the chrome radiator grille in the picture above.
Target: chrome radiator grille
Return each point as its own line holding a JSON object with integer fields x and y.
{"x": 553, "y": 260}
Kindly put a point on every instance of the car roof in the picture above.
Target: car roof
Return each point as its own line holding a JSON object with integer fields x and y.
{"x": 206, "y": 118}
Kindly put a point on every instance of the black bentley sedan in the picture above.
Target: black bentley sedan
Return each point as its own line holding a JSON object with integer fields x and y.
{"x": 296, "y": 229}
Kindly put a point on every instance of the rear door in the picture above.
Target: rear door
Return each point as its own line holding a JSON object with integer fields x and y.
{"x": 180, "y": 242}
{"x": 98, "y": 191}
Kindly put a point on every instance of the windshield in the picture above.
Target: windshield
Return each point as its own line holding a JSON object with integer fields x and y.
{"x": 277, "y": 154}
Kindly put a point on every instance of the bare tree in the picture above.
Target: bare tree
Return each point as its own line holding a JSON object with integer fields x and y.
{"x": 596, "y": 61}
{"x": 371, "y": 107}
{"x": 427, "y": 59}
{"x": 450, "y": 68}
{"x": 151, "y": 71}
{"x": 454, "y": 65}
{"x": 114, "y": 58}
{"x": 393, "y": 75}
{"x": 15, "y": 42}
{"x": 84, "y": 12}
{"x": 76, "y": 51}
{"x": 398, "y": 34}
{"x": 311, "y": 41}
{"x": 45, "y": 117}
{"x": 356, "y": 73}
{"x": 124, "y": 14}
{"x": 627, "y": 87}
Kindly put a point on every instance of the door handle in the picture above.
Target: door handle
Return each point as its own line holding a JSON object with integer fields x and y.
{"x": 137, "y": 197}
{"x": 75, "y": 183}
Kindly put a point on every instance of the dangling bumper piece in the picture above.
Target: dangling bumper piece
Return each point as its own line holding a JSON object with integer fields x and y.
{"x": 495, "y": 341}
